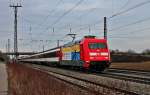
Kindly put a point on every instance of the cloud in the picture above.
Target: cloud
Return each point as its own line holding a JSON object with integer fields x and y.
{"x": 38, "y": 14}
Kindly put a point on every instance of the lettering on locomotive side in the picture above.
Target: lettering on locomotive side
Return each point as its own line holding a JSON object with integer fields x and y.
{"x": 71, "y": 48}
{"x": 71, "y": 52}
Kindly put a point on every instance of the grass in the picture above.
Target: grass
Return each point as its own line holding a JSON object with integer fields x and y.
{"x": 143, "y": 66}
{"x": 27, "y": 81}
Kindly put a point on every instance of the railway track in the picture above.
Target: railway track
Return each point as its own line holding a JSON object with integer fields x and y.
{"x": 143, "y": 80}
{"x": 136, "y": 72}
{"x": 85, "y": 83}
{"x": 130, "y": 75}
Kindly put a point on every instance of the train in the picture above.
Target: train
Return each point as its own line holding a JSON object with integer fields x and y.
{"x": 87, "y": 53}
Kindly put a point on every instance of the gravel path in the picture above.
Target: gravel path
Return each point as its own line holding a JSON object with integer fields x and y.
{"x": 3, "y": 79}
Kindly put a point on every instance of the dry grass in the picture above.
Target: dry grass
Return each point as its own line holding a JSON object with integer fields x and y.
{"x": 26, "y": 81}
{"x": 144, "y": 66}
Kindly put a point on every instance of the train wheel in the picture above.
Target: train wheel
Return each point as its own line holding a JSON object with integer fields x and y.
{"x": 86, "y": 70}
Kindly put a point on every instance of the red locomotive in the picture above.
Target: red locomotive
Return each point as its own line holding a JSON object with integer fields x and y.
{"x": 88, "y": 53}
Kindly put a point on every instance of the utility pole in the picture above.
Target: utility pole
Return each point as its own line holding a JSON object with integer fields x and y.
{"x": 8, "y": 46}
{"x": 58, "y": 42}
{"x": 89, "y": 30}
{"x": 53, "y": 29}
{"x": 70, "y": 30}
{"x": 30, "y": 34}
{"x": 105, "y": 28}
{"x": 15, "y": 29}
{"x": 43, "y": 48}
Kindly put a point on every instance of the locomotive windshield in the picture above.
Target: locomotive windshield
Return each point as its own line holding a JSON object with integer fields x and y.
{"x": 97, "y": 45}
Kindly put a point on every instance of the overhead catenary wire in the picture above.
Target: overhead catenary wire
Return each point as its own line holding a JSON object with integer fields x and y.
{"x": 119, "y": 13}
{"x": 89, "y": 11}
{"x": 133, "y": 23}
{"x": 132, "y": 32}
{"x": 97, "y": 22}
{"x": 135, "y": 31}
{"x": 37, "y": 25}
{"x": 64, "y": 14}
{"x": 50, "y": 13}
{"x": 84, "y": 14}
{"x": 127, "y": 37}
{"x": 129, "y": 9}
{"x": 116, "y": 14}
{"x": 128, "y": 1}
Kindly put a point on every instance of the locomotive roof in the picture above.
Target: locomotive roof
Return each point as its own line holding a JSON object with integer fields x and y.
{"x": 78, "y": 41}
{"x": 72, "y": 43}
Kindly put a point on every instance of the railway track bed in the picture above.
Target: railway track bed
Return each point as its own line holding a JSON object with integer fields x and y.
{"x": 97, "y": 83}
{"x": 130, "y": 75}
{"x": 129, "y": 71}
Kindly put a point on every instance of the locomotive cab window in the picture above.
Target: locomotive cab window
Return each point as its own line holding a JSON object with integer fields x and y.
{"x": 97, "y": 46}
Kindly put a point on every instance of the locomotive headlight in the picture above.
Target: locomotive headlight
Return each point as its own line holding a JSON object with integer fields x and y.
{"x": 93, "y": 54}
{"x": 104, "y": 53}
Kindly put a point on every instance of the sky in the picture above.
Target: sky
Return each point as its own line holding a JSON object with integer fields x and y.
{"x": 42, "y": 22}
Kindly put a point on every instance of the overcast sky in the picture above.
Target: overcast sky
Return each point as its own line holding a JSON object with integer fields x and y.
{"x": 37, "y": 18}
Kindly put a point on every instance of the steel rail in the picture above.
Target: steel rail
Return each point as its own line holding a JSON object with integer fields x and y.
{"x": 137, "y": 72}
{"x": 80, "y": 86}
{"x": 116, "y": 90}
{"x": 112, "y": 74}
{"x": 126, "y": 77}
